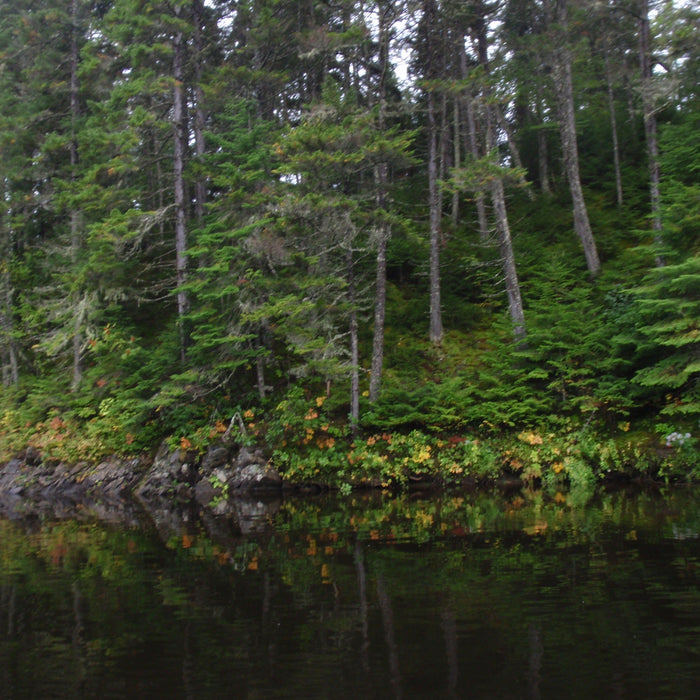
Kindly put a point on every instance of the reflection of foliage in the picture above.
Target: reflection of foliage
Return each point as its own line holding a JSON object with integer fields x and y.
{"x": 99, "y": 601}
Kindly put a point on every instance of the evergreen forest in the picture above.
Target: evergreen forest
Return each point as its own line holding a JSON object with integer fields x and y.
{"x": 384, "y": 240}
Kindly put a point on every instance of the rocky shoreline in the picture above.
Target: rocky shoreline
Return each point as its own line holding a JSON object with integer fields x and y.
{"x": 225, "y": 481}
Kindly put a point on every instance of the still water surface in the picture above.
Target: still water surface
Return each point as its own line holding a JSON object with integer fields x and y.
{"x": 523, "y": 595}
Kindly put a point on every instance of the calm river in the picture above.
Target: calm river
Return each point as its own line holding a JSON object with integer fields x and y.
{"x": 519, "y": 595}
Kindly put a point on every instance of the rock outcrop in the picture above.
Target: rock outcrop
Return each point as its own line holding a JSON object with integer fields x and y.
{"x": 173, "y": 480}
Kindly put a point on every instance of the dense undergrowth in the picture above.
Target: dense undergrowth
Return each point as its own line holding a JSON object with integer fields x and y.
{"x": 105, "y": 350}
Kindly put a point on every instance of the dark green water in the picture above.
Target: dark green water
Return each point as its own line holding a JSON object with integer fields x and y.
{"x": 527, "y": 595}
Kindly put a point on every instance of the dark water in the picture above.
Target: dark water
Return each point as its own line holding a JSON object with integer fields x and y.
{"x": 527, "y": 595}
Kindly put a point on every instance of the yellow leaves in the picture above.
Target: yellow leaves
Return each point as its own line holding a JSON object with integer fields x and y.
{"x": 311, "y": 414}
{"x": 557, "y": 467}
{"x": 530, "y": 437}
{"x": 320, "y": 400}
{"x": 185, "y": 443}
{"x": 423, "y": 455}
{"x": 423, "y": 519}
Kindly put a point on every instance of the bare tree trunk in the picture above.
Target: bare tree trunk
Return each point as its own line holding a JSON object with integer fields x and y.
{"x": 563, "y": 89}
{"x": 10, "y": 368}
{"x": 434, "y": 200}
{"x": 542, "y": 151}
{"x": 456, "y": 156}
{"x": 513, "y": 148}
{"x": 199, "y": 117}
{"x": 650, "y": 127}
{"x": 75, "y": 218}
{"x": 179, "y": 182}
{"x": 515, "y": 304}
{"x": 354, "y": 350}
{"x": 260, "y": 376}
{"x": 613, "y": 127}
{"x": 383, "y": 231}
{"x": 442, "y": 158}
{"x": 472, "y": 145}
{"x": 542, "y": 160}
{"x": 436, "y": 330}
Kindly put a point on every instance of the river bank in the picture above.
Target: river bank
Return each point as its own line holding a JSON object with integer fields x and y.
{"x": 225, "y": 472}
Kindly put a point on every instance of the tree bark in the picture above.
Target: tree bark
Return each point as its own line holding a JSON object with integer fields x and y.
{"x": 179, "y": 185}
{"x": 472, "y": 145}
{"x": 383, "y": 229}
{"x": 200, "y": 186}
{"x": 75, "y": 218}
{"x": 563, "y": 90}
{"x": 456, "y": 156}
{"x": 515, "y": 304}
{"x": 436, "y": 329}
{"x": 354, "y": 349}
{"x": 650, "y": 126}
{"x": 435, "y": 213}
{"x": 613, "y": 127}
{"x": 513, "y": 148}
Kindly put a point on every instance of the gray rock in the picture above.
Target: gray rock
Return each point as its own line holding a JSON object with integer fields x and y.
{"x": 255, "y": 478}
{"x": 215, "y": 457}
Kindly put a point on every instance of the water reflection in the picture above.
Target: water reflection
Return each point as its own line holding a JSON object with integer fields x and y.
{"x": 529, "y": 595}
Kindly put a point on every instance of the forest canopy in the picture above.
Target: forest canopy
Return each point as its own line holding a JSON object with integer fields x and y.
{"x": 332, "y": 226}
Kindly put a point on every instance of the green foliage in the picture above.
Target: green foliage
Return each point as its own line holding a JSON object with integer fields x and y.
{"x": 298, "y": 126}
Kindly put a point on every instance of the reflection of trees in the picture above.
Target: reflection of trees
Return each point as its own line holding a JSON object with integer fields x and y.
{"x": 364, "y": 599}
{"x": 389, "y": 635}
{"x": 449, "y": 629}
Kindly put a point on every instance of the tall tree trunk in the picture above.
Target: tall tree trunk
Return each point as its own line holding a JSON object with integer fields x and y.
{"x": 383, "y": 230}
{"x": 513, "y": 148}
{"x": 354, "y": 349}
{"x": 563, "y": 89}
{"x": 10, "y": 366}
{"x": 515, "y": 304}
{"x": 443, "y": 157}
{"x": 436, "y": 330}
{"x": 613, "y": 127}
{"x": 650, "y": 127}
{"x": 200, "y": 188}
{"x": 434, "y": 200}
{"x": 472, "y": 145}
{"x": 179, "y": 182}
{"x": 456, "y": 156}
{"x": 75, "y": 218}
{"x": 542, "y": 150}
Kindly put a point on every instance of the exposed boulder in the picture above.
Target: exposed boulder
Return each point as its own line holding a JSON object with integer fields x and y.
{"x": 171, "y": 476}
{"x": 222, "y": 478}
{"x": 255, "y": 478}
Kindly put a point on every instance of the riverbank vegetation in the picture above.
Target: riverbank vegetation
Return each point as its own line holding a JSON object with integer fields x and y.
{"x": 386, "y": 241}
